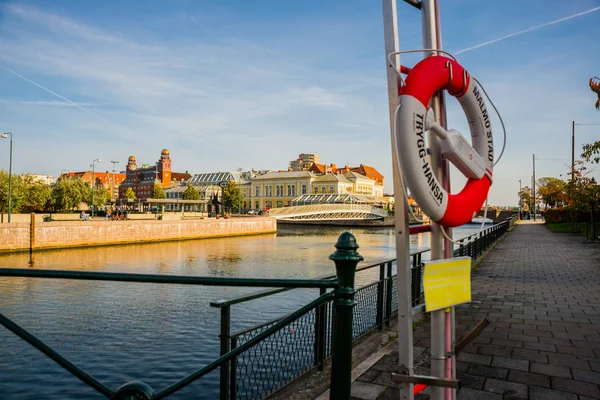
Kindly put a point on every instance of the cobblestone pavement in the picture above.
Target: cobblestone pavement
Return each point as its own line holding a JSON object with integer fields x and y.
{"x": 541, "y": 293}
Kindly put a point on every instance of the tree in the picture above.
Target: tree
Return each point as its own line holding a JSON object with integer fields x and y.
{"x": 27, "y": 195}
{"x": 101, "y": 197}
{"x": 130, "y": 194}
{"x": 591, "y": 152}
{"x": 232, "y": 196}
{"x": 69, "y": 193}
{"x": 158, "y": 192}
{"x": 551, "y": 191}
{"x": 525, "y": 197}
{"x": 191, "y": 193}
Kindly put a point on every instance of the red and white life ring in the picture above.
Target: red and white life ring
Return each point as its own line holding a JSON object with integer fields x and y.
{"x": 424, "y": 79}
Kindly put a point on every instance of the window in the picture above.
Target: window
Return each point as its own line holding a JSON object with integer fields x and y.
{"x": 280, "y": 204}
{"x": 323, "y": 189}
{"x": 257, "y": 191}
{"x": 331, "y": 189}
{"x": 304, "y": 188}
{"x": 279, "y": 190}
{"x": 315, "y": 189}
{"x": 291, "y": 190}
{"x": 268, "y": 191}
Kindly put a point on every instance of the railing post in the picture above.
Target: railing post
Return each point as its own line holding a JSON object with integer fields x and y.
{"x": 345, "y": 258}
{"x": 380, "y": 304}
{"x": 388, "y": 297}
{"x": 320, "y": 333}
{"x": 233, "y": 391}
{"x": 224, "y": 338}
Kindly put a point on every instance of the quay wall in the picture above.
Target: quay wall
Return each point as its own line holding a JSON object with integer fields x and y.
{"x": 17, "y": 236}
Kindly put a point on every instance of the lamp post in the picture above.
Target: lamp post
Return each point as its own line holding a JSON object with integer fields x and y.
{"x": 4, "y": 136}
{"x": 94, "y": 181}
{"x": 520, "y": 199}
{"x": 222, "y": 185}
{"x": 112, "y": 188}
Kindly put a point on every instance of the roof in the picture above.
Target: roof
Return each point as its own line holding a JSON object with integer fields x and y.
{"x": 331, "y": 178}
{"x": 355, "y": 175}
{"x": 284, "y": 175}
{"x": 180, "y": 176}
{"x": 183, "y": 188}
{"x": 213, "y": 178}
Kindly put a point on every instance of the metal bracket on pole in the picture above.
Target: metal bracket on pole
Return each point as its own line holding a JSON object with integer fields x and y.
{"x": 414, "y": 3}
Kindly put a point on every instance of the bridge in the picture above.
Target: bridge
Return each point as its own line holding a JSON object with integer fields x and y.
{"x": 328, "y": 212}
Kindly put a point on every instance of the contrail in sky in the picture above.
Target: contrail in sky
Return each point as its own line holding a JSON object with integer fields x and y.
{"x": 533, "y": 28}
{"x": 51, "y": 91}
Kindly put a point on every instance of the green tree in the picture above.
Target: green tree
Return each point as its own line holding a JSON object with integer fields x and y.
{"x": 591, "y": 152}
{"x": 525, "y": 197}
{"x": 158, "y": 192}
{"x": 69, "y": 193}
{"x": 191, "y": 193}
{"x": 101, "y": 197}
{"x": 26, "y": 194}
{"x": 232, "y": 196}
{"x": 551, "y": 191}
{"x": 130, "y": 194}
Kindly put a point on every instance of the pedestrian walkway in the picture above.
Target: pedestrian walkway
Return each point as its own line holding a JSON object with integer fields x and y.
{"x": 541, "y": 293}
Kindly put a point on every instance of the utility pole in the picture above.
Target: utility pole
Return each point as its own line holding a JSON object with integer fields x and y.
{"x": 533, "y": 188}
{"x": 573, "y": 155}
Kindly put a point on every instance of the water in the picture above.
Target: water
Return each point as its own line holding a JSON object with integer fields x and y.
{"x": 119, "y": 332}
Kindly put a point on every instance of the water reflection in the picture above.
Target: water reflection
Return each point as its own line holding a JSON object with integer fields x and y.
{"x": 157, "y": 333}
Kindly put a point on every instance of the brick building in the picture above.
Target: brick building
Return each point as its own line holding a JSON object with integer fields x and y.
{"x": 142, "y": 180}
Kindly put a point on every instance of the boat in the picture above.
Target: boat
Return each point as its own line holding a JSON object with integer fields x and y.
{"x": 480, "y": 220}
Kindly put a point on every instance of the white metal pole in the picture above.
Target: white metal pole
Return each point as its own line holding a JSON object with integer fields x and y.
{"x": 438, "y": 318}
{"x": 405, "y": 333}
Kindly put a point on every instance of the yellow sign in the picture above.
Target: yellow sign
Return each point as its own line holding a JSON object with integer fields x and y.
{"x": 447, "y": 282}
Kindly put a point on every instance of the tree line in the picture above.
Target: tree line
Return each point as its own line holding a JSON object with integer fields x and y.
{"x": 69, "y": 193}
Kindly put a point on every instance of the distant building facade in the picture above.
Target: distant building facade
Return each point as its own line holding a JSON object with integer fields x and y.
{"x": 107, "y": 180}
{"x": 304, "y": 162}
{"x": 142, "y": 180}
{"x": 47, "y": 179}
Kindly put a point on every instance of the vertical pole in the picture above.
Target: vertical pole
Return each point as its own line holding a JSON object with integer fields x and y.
{"x": 224, "y": 338}
{"x": 405, "y": 338}
{"x": 233, "y": 379}
{"x": 438, "y": 322}
{"x": 93, "y": 184}
{"x": 345, "y": 258}
{"x": 320, "y": 333}
{"x": 533, "y": 186}
{"x": 10, "y": 180}
{"x": 520, "y": 199}
{"x": 573, "y": 154}
{"x": 388, "y": 298}
{"x": 31, "y": 234}
{"x": 380, "y": 303}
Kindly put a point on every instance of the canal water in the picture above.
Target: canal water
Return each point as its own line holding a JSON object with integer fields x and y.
{"x": 119, "y": 332}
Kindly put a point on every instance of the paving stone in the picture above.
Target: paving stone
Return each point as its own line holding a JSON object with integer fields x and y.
{"x": 586, "y": 376}
{"x": 471, "y": 381}
{"x": 540, "y": 393}
{"x": 549, "y": 369}
{"x": 573, "y": 386}
{"x": 539, "y": 346}
{"x": 370, "y": 375}
{"x": 494, "y": 351}
{"x": 475, "y": 358}
{"x": 529, "y": 378}
{"x": 513, "y": 389}
{"x": 531, "y": 355}
{"x": 510, "y": 363}
{"x": 488, "y": 371}
{"x": 568, "y": 361}
{"x": 366, "y": 391}
{"x": 472, "y": 394}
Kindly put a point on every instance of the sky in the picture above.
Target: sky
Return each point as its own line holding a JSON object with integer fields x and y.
{"x": 235, "y": 84}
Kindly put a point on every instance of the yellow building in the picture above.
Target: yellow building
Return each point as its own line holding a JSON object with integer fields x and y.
{"x": 277, "y": 189}
{"x": 331, "y": 183}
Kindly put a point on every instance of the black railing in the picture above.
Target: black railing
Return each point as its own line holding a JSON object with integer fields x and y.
{"x": 256, "y": 362}
{"x": 262, "y": 371}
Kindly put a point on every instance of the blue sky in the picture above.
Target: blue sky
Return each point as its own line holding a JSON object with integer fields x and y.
{"x": 229, "y": 84}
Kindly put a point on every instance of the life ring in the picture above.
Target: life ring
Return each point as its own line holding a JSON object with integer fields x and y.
{"x": 423, "y": 80}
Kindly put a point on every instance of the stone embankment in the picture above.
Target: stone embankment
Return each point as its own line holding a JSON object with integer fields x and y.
{"x": 23, "y": 236}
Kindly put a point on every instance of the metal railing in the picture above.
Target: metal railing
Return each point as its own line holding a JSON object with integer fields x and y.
{"x": 256, "y": 362}
{"x": 262, "y": 371}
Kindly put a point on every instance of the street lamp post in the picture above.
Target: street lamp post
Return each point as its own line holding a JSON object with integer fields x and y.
{"x": 520, "y": 200}
{"x": 94, "y": 181}
{"x": 112, "y": 188}
{"x": 222, "y": 185}
{"x": 4, "y": 136}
